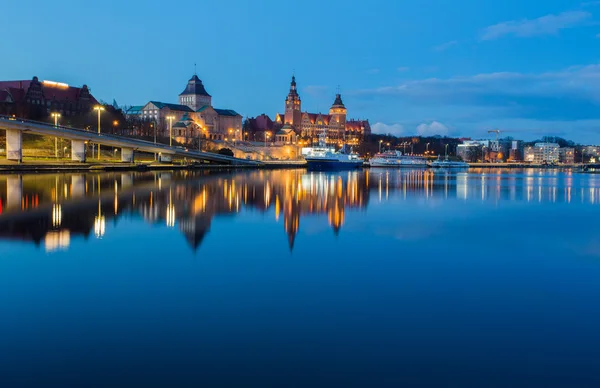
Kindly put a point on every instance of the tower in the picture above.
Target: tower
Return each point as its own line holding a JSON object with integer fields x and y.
{"x": 338, "y": 116}
{"x": 293, "y": 112}
{"x": 194, "y": 95}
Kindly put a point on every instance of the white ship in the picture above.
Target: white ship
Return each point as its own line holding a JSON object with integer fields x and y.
{"x": 324, "y": 158}
{"x": 439, "y": 163}
{"x": 396, "y": 159}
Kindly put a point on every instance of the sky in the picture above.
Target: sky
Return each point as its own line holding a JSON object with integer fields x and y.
{"x": 456, "y": 68}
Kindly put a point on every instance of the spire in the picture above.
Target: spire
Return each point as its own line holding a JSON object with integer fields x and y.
{"x": 195, "y": 69}
{"x": 338, "y": 101}
{"x": 293, "y": 94}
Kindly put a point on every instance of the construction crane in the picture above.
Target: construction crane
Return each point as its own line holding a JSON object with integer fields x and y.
{"x": 496, "y": 131}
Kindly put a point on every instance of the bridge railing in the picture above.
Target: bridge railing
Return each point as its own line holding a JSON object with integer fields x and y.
{"x": 136, "y": 142}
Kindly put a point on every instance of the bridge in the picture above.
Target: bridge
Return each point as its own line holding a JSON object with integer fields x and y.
{"x": 15, "y": 127}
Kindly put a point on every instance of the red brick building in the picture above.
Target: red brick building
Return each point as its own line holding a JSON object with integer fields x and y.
{"x": 35, "y": 99}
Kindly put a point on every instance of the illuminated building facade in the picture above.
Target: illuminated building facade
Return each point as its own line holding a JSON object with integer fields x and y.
{"x": 35, "y": 99}
{"x": 194, "y": 117}
{"x": 310, "y": 125}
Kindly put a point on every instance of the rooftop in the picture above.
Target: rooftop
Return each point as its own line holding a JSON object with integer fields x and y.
{"x": 195, "y": 87}
{"x": 176, "y": 107}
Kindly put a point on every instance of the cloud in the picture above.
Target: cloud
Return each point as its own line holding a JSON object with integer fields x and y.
{"x": 545, "y": 25}
{"x": 373, "y": 71}
{"x": 569, "y": 94}
{"x": 431, "y": 129}
{"x": 315, "y": 90}
{"x": 590, "y": 3}
{"x": 445, "y": 46}
{"x": 403, "y": 69}
{"x": 384, "y": 129}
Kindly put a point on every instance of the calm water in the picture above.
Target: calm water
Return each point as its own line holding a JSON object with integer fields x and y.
{"x": 295, "y": 279}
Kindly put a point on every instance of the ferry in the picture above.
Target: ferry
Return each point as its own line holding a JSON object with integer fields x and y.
{"x": 324, "y": 158}
{"x": 439, "y": 163}
{"x": 396, "y": 159}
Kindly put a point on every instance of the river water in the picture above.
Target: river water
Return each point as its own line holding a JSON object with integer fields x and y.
{"x": 288, "y": 278}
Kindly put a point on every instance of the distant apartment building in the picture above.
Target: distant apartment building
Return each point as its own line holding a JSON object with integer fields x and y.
{"x": 499, "y": 150}
{"x": 471, "y": 150}
{"x": 516, "y": 151}
{"x": 542, "y": 153}
{"x": 566, "y": 155}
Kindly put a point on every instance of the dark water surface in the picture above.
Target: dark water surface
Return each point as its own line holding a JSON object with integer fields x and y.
{"x": 486, "y": 278}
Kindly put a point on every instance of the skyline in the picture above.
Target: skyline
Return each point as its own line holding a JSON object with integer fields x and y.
{"x": 528, "y": 69}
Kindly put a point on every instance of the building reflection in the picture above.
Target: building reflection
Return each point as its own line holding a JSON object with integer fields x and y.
{"x": 53, "y": 209}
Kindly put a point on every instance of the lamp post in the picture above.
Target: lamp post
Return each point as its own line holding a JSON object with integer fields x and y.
{"x": 170, "y": 118}
{"x": 447, "y": 151}
{"x": 380, "y": 142}
{"x": 267, "y": 135}
{"x": 427, "y": 148}
{"x": 99, "y": 109}
{"x": 115, "y": 124}
{"x": 56, "y": 115}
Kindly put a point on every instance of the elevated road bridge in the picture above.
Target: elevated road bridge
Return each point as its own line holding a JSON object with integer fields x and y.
{"x": 15, "y": 127}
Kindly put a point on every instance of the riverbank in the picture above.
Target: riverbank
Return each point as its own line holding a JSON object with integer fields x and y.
{"x": 69, "y": 166}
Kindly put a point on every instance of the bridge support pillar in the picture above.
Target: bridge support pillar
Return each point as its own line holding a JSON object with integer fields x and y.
{"x": 14, "y": 191}
{"x": 14, "y": 145}
{"x": 127, "y": 155}
{"x": 78, "y": 150}
{"x": 165, "y": 158}
{"x": 77, "y": 186}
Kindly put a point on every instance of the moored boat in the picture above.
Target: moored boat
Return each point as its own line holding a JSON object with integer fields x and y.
{"x": 324, "y": 158}
{"x": 439, "y": 163}
{"x": 396, "y": 159}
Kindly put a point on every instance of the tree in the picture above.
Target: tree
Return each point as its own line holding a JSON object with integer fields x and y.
{"x": 226, "y": 152}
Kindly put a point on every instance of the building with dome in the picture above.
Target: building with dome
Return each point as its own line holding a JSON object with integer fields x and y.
{"x": 193, "y": 117}
{"x": 310, "y": 125}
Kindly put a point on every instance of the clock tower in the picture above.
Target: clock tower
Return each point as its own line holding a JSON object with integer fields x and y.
{"x": 293, "y": 112}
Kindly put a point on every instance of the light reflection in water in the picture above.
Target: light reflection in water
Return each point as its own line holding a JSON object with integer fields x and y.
{"x": 192, "y": 199}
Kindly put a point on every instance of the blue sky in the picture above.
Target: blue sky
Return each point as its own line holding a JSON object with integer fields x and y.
{"x": 429, "y": 66}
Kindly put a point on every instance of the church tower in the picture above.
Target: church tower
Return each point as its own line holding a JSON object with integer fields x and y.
{"x": 338, "y": 116}
{"x": 194, "y": 95}
{"x": 293, "y": 112}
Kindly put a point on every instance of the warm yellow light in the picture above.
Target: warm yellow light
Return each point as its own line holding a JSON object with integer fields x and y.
{"x": 99, "y": 107}
{"x": 55, "y": 84}
{"x": 55, "y": 114}
{"x": 115, "y": 123}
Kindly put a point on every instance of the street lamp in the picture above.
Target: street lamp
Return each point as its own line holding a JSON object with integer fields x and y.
{"x": 56, "y": 115}
{"x": 427, "y": 148}
{"x": 99, "y": 109}
{"x": 380, "y": 142}
{"x": 170, "y": 118}
{"x": 267, "y": 135}
{"x": 115, "y": 123}
{"x": 447, "y": 151}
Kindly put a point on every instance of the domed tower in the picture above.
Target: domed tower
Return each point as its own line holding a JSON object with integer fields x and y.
{"x": 338, "y": 115}
{"x": 195, "y": 95}
{"x": 293, "y": 112}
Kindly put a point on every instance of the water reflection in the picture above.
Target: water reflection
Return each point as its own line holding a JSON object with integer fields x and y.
{"x": 53, "y": 209}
